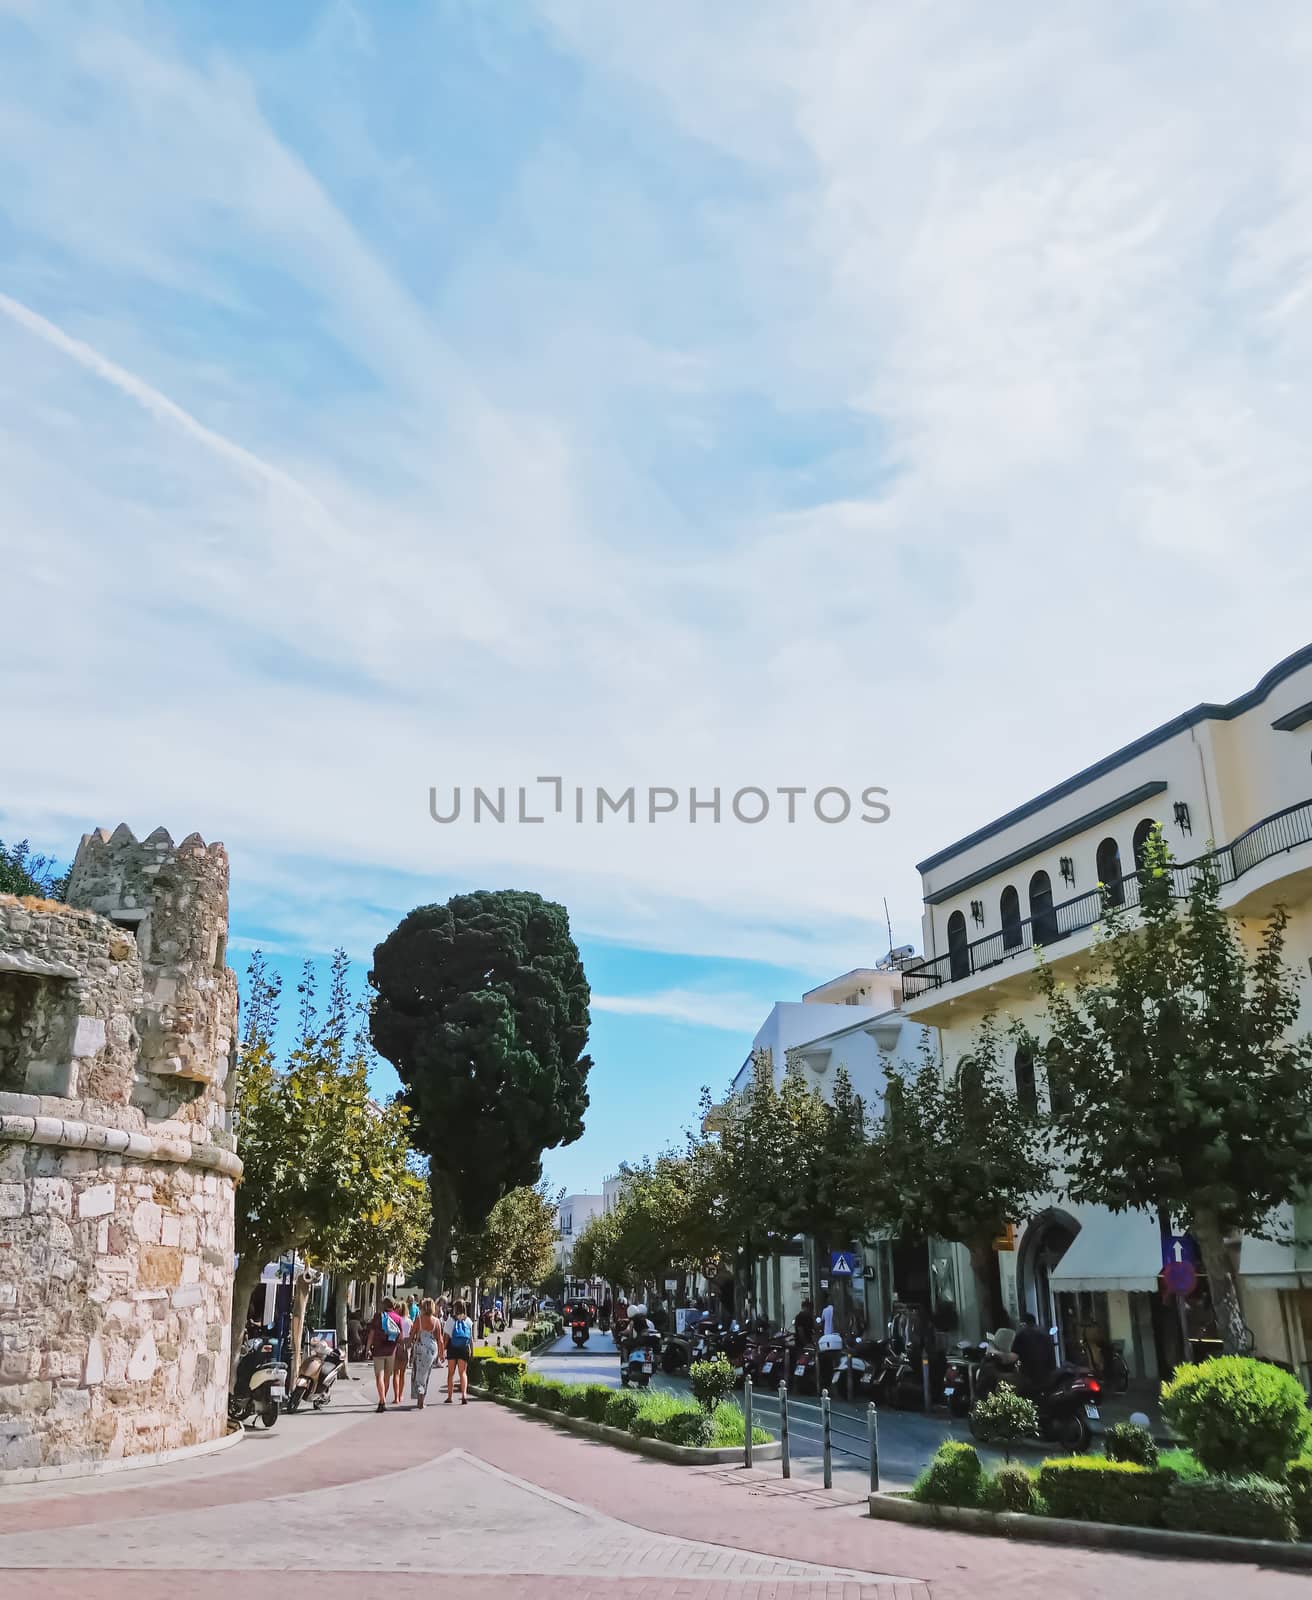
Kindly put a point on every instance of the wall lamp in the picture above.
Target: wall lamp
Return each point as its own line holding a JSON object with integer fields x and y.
{"x": 977, "y": 912}
{"x": 1182, "y": 817}
{"x": 1067, "y": 870}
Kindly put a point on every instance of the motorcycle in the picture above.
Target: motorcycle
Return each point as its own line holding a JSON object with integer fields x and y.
{"x": 860, "y": 1366}
{"x": 314, "y": 1382}
{"x": 1066, "y": 1399}
{"x": 772, "y": 1359}
{"x": 260, "y": 1383}
{"x": 638, "y": 1359}
{"x": 579, "y": 1329}
{"x": 962, "y": 1376}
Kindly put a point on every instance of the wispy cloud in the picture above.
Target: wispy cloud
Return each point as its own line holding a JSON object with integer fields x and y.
{"x": 733, "y": 1013}
{"x": 693, "y": 396}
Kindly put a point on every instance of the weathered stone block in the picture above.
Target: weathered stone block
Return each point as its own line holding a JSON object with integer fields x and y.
{"x": 8, "y": 1296}
{"x": 13, "y": 1199}
{"x": 54, "y": 1195}
{"x": 24, "y": 1398}
{"x": 170, "y": 1229}
{"x": 89, "y": 1036}
{"x": 146, "y": 1221}
{"x": 158, "y": 1266}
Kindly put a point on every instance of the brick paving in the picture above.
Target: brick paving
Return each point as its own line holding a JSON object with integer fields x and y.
{"x": 555, "y": 1514}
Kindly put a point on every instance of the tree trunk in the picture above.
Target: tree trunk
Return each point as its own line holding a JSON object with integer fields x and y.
{"x": 300, "y": 1299}
{"x": 1221, "y": 1285}
{"x": 341, "y": 1294}
{"x": 439, "y": 1239}
{"x": 986, "y": 1290}
{"x": 244, "y": 1283}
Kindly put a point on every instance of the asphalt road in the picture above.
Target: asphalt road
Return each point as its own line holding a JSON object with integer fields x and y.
{"x": 907, "y": 1439}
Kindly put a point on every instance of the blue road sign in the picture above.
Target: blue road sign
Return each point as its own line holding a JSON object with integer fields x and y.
{"x": 1180, "y": 1247}
{"x": 842, "y": 1264}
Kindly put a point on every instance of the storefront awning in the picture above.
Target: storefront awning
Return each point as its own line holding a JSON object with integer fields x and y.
{"x": 1111, "y": 1251}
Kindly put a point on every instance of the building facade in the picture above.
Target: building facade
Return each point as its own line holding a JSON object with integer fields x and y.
{"x": 118, "y": 1034}
{"x": 1233, "y": 780}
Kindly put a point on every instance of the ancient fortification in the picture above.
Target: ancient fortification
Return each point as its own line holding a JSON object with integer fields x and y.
{"x": 118, "y": 1024}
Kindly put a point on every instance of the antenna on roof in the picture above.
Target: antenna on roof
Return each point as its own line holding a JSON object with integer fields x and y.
{"x": 889, "y": 921}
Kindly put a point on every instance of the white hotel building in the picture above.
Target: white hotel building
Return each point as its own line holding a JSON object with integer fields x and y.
{"x": 1239, "y": 775}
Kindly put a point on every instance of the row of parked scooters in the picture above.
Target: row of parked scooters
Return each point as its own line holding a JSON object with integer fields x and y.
{"x": 260, "y": 1388}
{"x": 904, "y": 1370}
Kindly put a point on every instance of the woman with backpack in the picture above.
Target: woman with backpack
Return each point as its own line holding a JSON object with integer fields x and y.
{"x": 381, "y": 1344}
{"x": 459, "y": 1348}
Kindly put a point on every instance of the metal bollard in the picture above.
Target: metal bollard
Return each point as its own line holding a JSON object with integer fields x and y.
{"x": 747, "y": 1422}
{"x": 872, "y": 1428}
{"x": 828, "y": 1446}
{"x": 783, "y": 1430}
{"x": 924, "y": 1380}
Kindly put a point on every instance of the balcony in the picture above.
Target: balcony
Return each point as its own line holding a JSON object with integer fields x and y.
{"x": 1274, "y": 835}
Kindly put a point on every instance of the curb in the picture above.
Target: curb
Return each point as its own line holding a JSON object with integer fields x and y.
{"x": 99, "y": 1469}
{"x": 660, "y": 1449}
{"x": 1100, "y": 1535}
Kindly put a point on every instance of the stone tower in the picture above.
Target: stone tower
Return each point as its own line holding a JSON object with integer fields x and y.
{"x": 118, "y": 1020}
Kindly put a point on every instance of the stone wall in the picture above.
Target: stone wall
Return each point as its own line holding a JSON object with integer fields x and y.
{"x": 117, "y": 1172}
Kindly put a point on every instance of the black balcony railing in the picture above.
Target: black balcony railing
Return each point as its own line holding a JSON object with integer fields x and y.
{"x": 1271, "y": 837}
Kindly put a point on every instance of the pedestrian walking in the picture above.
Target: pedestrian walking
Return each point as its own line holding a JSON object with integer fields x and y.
{"x": 459, "y": 1332}
{"x": 402, "y": 1357}
{"x": 426, "y": 1338}
{"x": 380, "y": 1345}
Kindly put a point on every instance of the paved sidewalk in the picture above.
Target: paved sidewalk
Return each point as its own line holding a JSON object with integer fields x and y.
{"x": 516, "y": 1507}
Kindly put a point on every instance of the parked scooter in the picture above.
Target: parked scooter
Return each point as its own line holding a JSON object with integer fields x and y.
{"x": 962, "y": 1376}
{"x": 314, "y": 1382}
{"x": 860, "y": 1366}
{"x": 261, "y": 1381}
{"x": 1065, "y": 1399}
{"x": 773, "y": 1358}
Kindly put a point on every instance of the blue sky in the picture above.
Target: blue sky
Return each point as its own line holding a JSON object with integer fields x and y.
{"x": 436, "y": 393}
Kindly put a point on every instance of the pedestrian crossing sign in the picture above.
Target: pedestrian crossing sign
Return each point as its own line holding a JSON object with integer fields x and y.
{"x": 842, "y": 1264}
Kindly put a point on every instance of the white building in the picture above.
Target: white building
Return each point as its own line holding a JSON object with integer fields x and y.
{"x": 854, "y": 1022}
{"x": 573, "y": 1214}
{"x": 1237, "y": 774}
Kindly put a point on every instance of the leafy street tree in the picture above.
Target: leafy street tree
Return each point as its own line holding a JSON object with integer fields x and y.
{"x": 24, "y": 872}
{"x": 322, "y": 1163}
{"x": 516, "y": 1243}
{"x": 481, "y": 1005}
{"x": 599, "y": 1250}
{"x": 1186, "y": 1091}
{"x": 957, "y": 1157}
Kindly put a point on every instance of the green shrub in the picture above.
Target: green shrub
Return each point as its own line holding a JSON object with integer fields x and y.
{"x": 1127, "y": 1441}
{"x": 1094, "y": 1489}
{"x": 596, "y": 1397}
{"x": 1298, "y": 1477}
{"x": 485, "y": 1369}
{"x": 621, "y": 1408}
{"x": 711, "y": 1381}
{"x": 576, "y": 1400}
{"x": 646, "y": 1427}
{"x": 1182, "y": 1464}
{"x": 730, "y": 1427}
{"x": 1012, "y": 1489}
{"x": 693, "y": 1429}
{"x": 504, "y": 1377}
{"x": 1248, "y": 1508}
{"x": 1003, "y": 1417}
{"x": 1238, "y": 1415}
{"x": 549, "y": 1393}
{"x": 953, "y": 1478}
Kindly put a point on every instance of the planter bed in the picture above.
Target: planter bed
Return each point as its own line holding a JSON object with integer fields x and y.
{"x": 660, "y": 1449}
{"x": 1109, "y": 1535}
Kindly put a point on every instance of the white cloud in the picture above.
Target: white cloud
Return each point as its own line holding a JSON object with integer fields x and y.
{"x": 911, "y": 396}
{"x": 734, "y": 1013}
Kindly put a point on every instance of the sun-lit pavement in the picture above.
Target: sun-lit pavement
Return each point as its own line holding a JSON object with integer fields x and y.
{"x": 327, "y": 1503}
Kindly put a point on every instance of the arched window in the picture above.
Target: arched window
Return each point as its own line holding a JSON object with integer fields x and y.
{"x": 1027, "y": 1090}
{"x": 1043, "y": 919}
{"x": 1013, "y": 935}
{"x": 972, "y": 1089}
{"x": 1141, "y": 836}
{"x": 1109, "y": 872}
{"x": 958, "y": 953}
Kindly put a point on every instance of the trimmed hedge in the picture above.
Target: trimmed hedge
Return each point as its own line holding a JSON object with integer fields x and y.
{"x": 596, "y": 1398}
{"x": 491, "y": 1368}
{"x": 1248, "y": 1508}
{"x": 1298, "y": 1477}
{"x": 1127, "y": 1441}
{"x": 1013, "y": 1488}
{"x": 953, "y": 1478}
{"x": 1093, "y": 1489}
{"x": 1238, "y": 1415}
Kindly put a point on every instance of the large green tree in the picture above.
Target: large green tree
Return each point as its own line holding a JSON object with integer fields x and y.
{"x": 481, "y": 1005}
{"x": 957, "y": 1157}
{"x": 1187, "y": 1092}
{"x": 516, "y": 1243}
{"x": 325, "y": 1169}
